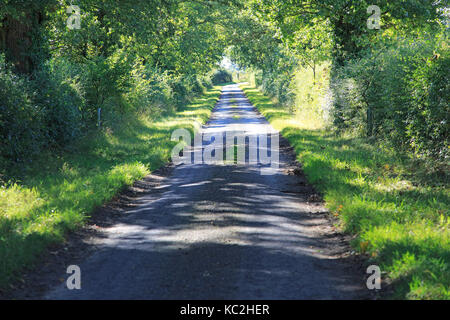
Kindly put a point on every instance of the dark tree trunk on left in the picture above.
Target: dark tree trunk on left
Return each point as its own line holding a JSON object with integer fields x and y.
{"x": 16, "y": 40}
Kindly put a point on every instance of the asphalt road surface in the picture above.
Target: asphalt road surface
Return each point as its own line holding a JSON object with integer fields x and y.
{"x": 222, "y": 231}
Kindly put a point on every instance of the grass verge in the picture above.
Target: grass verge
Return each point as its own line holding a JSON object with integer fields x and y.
{"x": 56, "y": 194}
{"x": 400, "y": 219}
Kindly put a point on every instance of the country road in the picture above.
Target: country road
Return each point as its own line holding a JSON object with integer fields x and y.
{"x": 222, "y": 232}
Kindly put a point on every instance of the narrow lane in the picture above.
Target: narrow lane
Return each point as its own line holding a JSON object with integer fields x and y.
{"x": 221, "y": 232}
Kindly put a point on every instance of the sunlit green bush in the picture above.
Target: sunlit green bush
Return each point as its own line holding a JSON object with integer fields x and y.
{"x": 278, "y": 85}
{"x": 61, "y": 100}
{"x": 398, "y": 93}
{"x": 312, "y": 104}
{"x": 21, "y": 129}
{"x": 220, "y": 76}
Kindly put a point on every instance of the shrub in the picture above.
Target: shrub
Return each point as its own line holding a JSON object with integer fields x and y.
{"x": 428, "y": 123}
{"x": 151, "y": 90}
{"x": 61, "y": 101}
{"x": 21, "y": 130}
{"x": 181, "y": 91}
{"x": 206, "y": 81}
{"x": 398, "y": 93}
{"x": 312, "y": 96}
{"x": 278, "y": 85}
{"x": 221, "y": 76}
{"x": 105, "y": 80}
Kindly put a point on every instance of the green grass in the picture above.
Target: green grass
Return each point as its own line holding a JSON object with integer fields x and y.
{"x": 400, "y": 216}
{"x": 56, "y": 194}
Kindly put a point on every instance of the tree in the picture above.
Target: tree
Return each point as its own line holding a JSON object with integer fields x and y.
{"x": 348, "y": 19}
{"x": 20, "y": 23}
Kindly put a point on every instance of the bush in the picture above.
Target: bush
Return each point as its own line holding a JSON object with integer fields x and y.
{"x": 221, "y": 76}
{"x": 181, "y": 91}
{"x": 206, "y": 82}
{"x": 61, "y": 101}
{"x": 160, "y": 92}
{"x": 398, "y": 93}
{"x": 196, "y": 85}
{"x": 21, "y": 129}
{"x": 151, "y": 90}
{"x": 312, "y": 96}
{"x": 428, "y": 124}
{"x": 187, "y": 87}
{"x": 105, "y": 81}
{"x": 278, "y": 85}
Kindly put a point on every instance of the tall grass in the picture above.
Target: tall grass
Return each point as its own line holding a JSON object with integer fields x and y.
{"x": 399, "y": 214}
{"x": 57, "y": 193}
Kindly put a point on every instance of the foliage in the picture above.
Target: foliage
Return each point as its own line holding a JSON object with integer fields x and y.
{"x": 313, "y": 105}
{"x": 221, "y": 76}
{"x": 399, "y": 93}
{"x": 256, "y": 45}
{"x": 399, "y": 215}
{"x": 383, "y": 84}
{"x": 20, "y": 119}
{"x": 139, "y": 61}
{"x": 120, "y": 60}
{"x": 61, "y": 104}
{"x": 149, "y": 59}
{"x": 58, "y": 194}
{"x": 348, "y": 20}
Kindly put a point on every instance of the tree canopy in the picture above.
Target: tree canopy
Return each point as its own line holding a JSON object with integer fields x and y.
{"x": 168, "y": 48}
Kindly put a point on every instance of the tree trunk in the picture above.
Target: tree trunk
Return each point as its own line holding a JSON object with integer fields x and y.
{"x": 16, "y": 41}
{"x": 314, "y": 73}
{"x": 369, "y": 121}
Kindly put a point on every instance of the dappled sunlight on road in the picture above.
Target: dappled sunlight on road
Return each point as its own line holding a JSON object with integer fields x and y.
{"x": 222, "y": 231}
